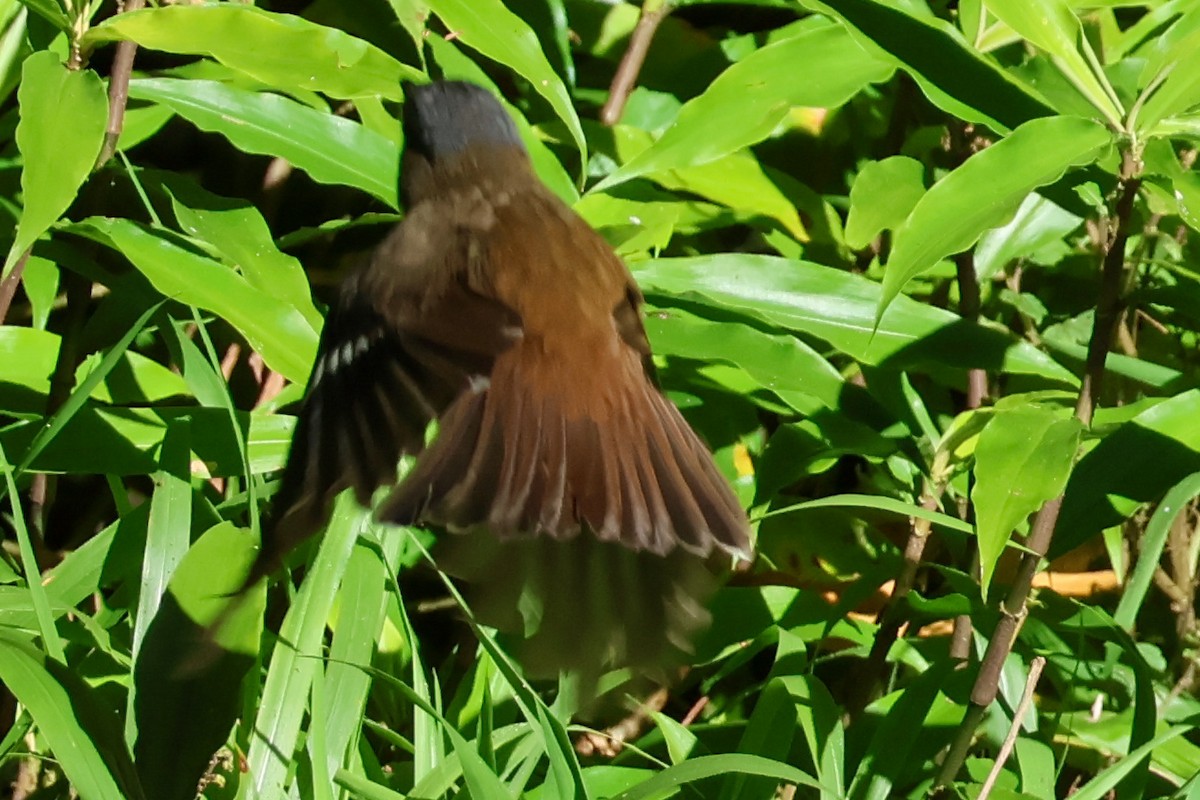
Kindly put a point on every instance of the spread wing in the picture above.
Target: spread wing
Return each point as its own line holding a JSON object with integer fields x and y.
{"x": 393, "y": 355}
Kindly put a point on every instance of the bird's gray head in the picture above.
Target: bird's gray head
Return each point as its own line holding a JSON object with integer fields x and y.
{"x": 445, "y": 118}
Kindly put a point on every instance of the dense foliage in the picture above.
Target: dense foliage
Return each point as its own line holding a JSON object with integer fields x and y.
{"x": 886, "y": 245}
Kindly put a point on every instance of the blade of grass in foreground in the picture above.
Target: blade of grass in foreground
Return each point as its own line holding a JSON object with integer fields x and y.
{"x": 297, "y": 656}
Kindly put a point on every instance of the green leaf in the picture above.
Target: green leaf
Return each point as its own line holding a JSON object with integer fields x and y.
{"x": 297, "y": 656}
{"x": 878, "y": 503}
{"x": 359, "y": 613}
{"x": 238, "y": 232}
{"x": 46, "y": 431}
{"x": 718, "y": 766}
{"x": 1150, "y": 549}
{"x": 1039, "y": 223}
{"x": 490, "y": 28}
{"x": 769, "y": 733}
{"x": 50, "y": 10}
{"x": 738, "y": 182}
{"x": 779, "y": 363}
{"x": 889, "y": 755}
{"x": 680, "y": 741}
{"x": 951, "y": 73}
{"x": 63, "y": 116}
{"x": 1022, "y": 460}
{"x": 1053, "y": 26}
{"x": 634, "y": 228}
{"x": 1179, "y": 90}
{"x": 839, "y": 307}
{"x": 1183, "y": 126}
{"x": 821, "y": 723}
{"x": 25, "y": 381}
{"x": 286, "y": 341}
{"x": 122, "y": 441}
{"x": 168, "y": 533}
{"x": 881, "y": 198}
{"x": 63, "y": 710}
{"x": 754, "y": 95}
{"x": 281, "y": 50}
{"x": 331, "y": 149}
{"x": 40, "y": 281}
{"x": 141, "y": 123}
{"x": 187, "y": 685}
{"x": 1187, "y": 197}
{"x": 1104, "y": 783}
{"x": 1136, "y": 463}
{"x": 986, "y": 191}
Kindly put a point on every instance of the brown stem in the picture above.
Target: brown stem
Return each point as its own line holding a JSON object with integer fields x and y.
{"x": 977, "y": 388}
{"x": 653, "y": 13}
{"x": 41, "y": 489}
{"x": 118, "y": 91}
{"x": 8, "y": 286}
{"x": 610, "y": 741}
{"x": 1109, "y": 306}
{"x": 891, "y": 618}
{"x": 960, "y": 640}
{"x": 968, "y": 294}
{"x": 1014, "y": 609}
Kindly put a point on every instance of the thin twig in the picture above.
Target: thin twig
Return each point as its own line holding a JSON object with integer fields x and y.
{"x": 968, "y": 308}
{"x": 694, "y": 712}
{"x": 891, "y": 617}
{"x": 118, "y": 91}
{"x": 653, "y": 13}
{"x": 977, "y": 389}
{"x": 960, "y": 640}
{"x": 1035, "y": 673}
{"x": 8, "y": 287}
{"x": 610, "y": 741}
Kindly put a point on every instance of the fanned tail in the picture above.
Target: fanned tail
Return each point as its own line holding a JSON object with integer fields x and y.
{"x": 525, "y": 473}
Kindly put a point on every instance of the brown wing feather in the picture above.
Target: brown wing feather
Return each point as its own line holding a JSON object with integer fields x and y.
{"x": 378, "y": 380}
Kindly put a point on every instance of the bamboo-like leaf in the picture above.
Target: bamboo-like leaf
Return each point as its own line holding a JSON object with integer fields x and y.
{"x": 96, "y": 767}
{"x": 1053, "y": 26}
{"x": 986, "y": 191}
{"x": 839, "y": 308}
{"x": 882, "y": 196}
{"x": 752, "y": 97}
{"x": 329, "y": 148}
{"x": 63, "y": 115}
{"x": 284, "y": 338}
{"x": 1023, "y": 459}
{"x": 951, "y": 73}
{"x": 281, "y": 50}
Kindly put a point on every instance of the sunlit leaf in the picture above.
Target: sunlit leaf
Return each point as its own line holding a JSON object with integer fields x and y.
{"x": 955, "y": 76}
{"x": 281, "y": 50}
{"x": 881, "y": 198}
{"x": 329, "y": 148}
{"x": 1022, "y": 460}
{"x": 839, "y": 308}
{"x": 63, "y": 116}
{"x": 93, "y": 758}
{"x": 278, "y": 331}
{"x": 1136, "y": 463}
{"x": 186, "y": 697}
{"x": 986, "y": 191}
{"x": 752, "y": 97}
{"x": 1053, "y": 26}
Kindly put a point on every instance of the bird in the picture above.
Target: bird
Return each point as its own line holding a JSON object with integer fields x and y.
{"x": 577, "y": 504}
